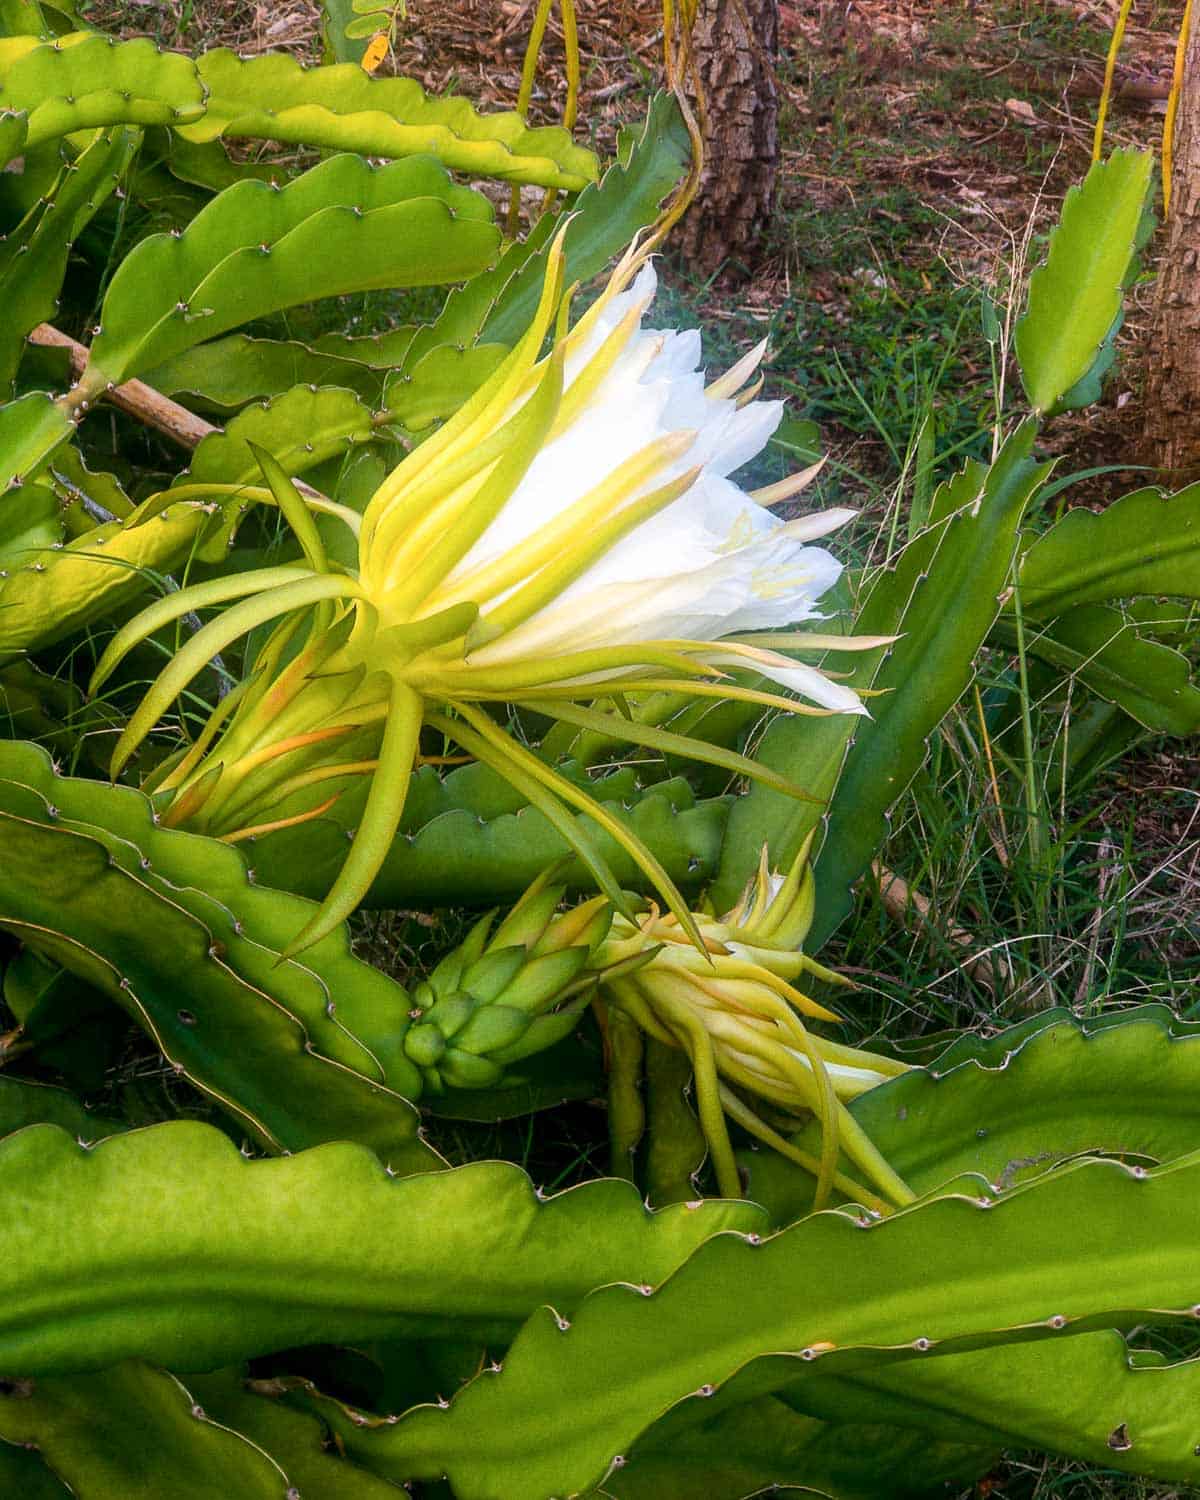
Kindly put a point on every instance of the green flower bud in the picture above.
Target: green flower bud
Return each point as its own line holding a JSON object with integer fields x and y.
{"x": 540, "y": 980}
{"x": 489, "y": 976}
{"x": 490, "y": 1028}
{"x": 424, "y": 1045}
{"x": 586, "y": 926}
{"x": 451, "y": 1014}
{"x": 463, "y": 1070}
{"x": 506, "y": 994}
{"x": 542, "y": 1032}
{"x": 735, "y": 1010}
{"x": 532, "y": 914}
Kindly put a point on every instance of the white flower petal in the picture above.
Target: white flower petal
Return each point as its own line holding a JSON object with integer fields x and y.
{"x": 762, "y": 586}
{"x": 641, "y": 289}
{"x": 680, "y": 354}
{"x": 803, "y": 680}
{"x": 746, "y": 433}
{"x": 819, "y": 523}
{"x": 606, "y": 434}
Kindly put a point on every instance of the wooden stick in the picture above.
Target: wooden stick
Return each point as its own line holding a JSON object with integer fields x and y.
{"x": 143, "y": 401}
{"x": 139, "y": 400}
{"x": 900, "y": 901}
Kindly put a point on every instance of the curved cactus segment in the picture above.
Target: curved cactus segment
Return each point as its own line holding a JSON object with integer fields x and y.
{"x": 377, "y": 351}
{"x": 436, "y": 385}
{"x": 23, "y": 1102}
{"x": 242, "y": 1257}
{"x": 23, "y": 1473}
{"x": 50, "y": 710}
{"x": 30, "y": 525}
{"x": 65, "y": 1023}
{"x": 13, "y": 126}
{"x": 87, "y": 496}
{"x": 438, "y": 366}
{"x": 1144, "y": 543}
{"x": 1045, "y": 1091}
{"x": 964, "y": 555}
{"x": 1149, "y": 680}
{"x": 343, "y": 226}
{"x": 748, "y": 1450}
{"x": 495, "y": 309}
{"x": 300, "y": 429}
{"x": 33, "y": 257}
{"x": 578, "y": 1390}
{"x": 343, "y": 108}
{"x": 307, "y": 1051}
{"x": 1013, "y": 1107}
{"x": 83, "y": 80}
{"x": 23, "y": 18}
{"x": 350, "y": 1014}
{"x": 230, "y": 372}
{"x": 58, "y": 591}
{"x": 134, "y": 1431}
{"x": 31, "y": 428}
{"x": 293, "y": 1439}
{"x": 255, "y": 1062}
{"x": 1075, "y": 295}
{"x": 1090, "y": 1397}
{"x": 466, "y": 307}
{"x": 336, "y": 17}
{"x": 468, "y": 838}
{"x": 608, "y": 215}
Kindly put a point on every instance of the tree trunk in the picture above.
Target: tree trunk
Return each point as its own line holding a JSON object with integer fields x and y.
{"x": 1172, "y": 428}
{"x": 736, "y": 68}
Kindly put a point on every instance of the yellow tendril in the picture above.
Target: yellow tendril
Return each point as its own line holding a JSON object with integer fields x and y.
{"x": 1110, "y": 68}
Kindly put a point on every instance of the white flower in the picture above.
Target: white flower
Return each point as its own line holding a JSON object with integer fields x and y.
{"x": 571, "y": 535}
{"x": 715, "y": 561}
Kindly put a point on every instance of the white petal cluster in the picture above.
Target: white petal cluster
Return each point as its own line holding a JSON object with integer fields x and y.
{"x": 712, "y": 563}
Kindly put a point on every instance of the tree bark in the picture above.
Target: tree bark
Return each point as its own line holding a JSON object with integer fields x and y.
{"x": 736, "y": 44}
{"x": 1172, "y": 422}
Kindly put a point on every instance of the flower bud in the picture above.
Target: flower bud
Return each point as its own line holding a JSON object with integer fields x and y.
{"x": 736, "y": 1012}
{"x": 502, "y": 996}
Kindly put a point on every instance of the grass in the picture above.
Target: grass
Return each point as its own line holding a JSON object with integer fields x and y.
{"x": 877, "y": 307}
{"x": 1075, "y": 895}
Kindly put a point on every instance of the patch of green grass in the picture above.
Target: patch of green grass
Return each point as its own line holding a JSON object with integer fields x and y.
{"x": 1059, "y": 31}
{"x": 1034, "y": 1478}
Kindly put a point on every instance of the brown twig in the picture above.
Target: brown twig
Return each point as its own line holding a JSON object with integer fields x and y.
{"x": 12, "y": 1044}
{"x": 144, "y": 402}
{"x": 900, "y": 901}
{"x": 139, "y": 400}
